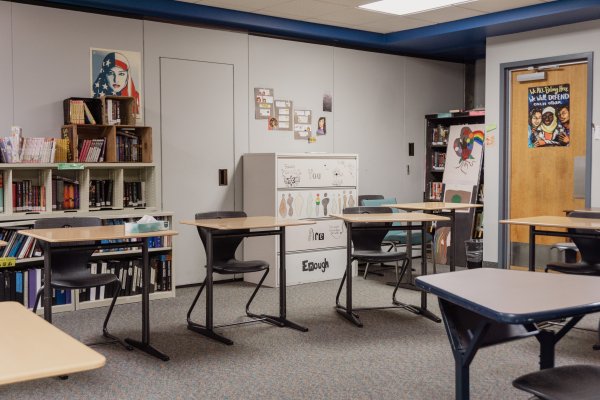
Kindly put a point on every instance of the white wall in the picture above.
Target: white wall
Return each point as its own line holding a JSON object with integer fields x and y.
{"x": 6, "y": 85}
{"x": 570, "y": 39}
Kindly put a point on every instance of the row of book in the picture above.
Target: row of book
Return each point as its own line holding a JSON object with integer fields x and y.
{"x": 129, "y": 147}
{"x": 91, "y": 150}
{"x": 12, "y": 286}
{"x": 28, "y": 197}
{"x": 101, "y": 193}
{"x": 440, "y": 134}
{"x": 1, "y": 192}
{"x": 133, "y": 194}
{"x": 65, "y": 193}
{"x": 33, "y": 150}
{"x": 438, "y": 159}
{"x": 79, "y": 113}
{"x": 113, "y": 112}
{"x": 435, "y": 190}
{"x": 19, "y": 246}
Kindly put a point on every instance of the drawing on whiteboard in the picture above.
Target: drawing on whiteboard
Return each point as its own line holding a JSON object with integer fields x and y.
{"x": 336, "y": 231}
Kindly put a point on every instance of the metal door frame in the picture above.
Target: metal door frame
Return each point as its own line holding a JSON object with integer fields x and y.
{"x": 504, "y": 138}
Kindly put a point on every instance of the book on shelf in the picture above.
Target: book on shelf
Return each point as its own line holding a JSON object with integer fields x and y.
{"x": 113, "y": 112}
{"x": 438, "y": 159}
{"x": 65, "y": 193}
{"x": 28, "y": 197}
{"x": 440, "y": 135}
{"x": 435, "y": 190}
{"x": 101, "y": 193}
{"x": 478, "y": 229}
{"x": 1, "y": 192}
{"x": 91, "y": 150}
{"x": 133, "y": 194}
{"x": 129, "y": 148}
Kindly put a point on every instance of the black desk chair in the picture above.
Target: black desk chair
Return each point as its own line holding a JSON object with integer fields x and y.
{"x": 225, "y": 263}
{"x": 581, "y": 382}
{"x": 367, "y": 245}
{"x": 70, "y": 268}
{"x": 590, "y": 256}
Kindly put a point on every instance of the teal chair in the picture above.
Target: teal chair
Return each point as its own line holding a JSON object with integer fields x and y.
{"x": 396, "y": 239}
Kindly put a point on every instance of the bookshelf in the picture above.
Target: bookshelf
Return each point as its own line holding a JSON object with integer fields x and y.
{"x": 469, "y": 225}
{"x": 20, "y": 282}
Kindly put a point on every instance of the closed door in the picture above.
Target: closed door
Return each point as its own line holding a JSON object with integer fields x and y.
{"x": 548, "y": 136}
{"x": 197, "y": 142}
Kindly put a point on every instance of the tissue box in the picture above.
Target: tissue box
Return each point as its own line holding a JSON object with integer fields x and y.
{"x": 135, "y": 227}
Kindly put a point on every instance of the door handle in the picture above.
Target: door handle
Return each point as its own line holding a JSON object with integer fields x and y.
{"x": 223, "y": 177}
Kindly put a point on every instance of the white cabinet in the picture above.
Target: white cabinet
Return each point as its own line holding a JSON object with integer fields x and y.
{"x": 301, "y": 186}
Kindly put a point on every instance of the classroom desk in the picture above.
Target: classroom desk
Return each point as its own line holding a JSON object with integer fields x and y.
{"x": 219, "y": 227}
{"x": 410, "y": 218}
{"x": 486, "y": 306}
{"x": 32, "y": 348}
{"x": 71, "y": 236}
{"x": 440, "y": 208}
{"x": 593, "y": 224}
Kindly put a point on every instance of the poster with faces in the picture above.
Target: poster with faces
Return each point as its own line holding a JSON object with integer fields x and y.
{"x": 302, "y": 121}
{"x": 117, "y": 73}
{"x": 263, "y": 103}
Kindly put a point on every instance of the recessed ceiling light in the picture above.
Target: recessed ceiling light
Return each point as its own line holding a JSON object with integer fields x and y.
{"x": 407, "y": 7}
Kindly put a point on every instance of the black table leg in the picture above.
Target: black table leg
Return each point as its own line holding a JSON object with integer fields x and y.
{"x": 454, "y": 242}
{"x": 282, "y": 320}
{"x": 346, "y": 311}
{"x": 144, "y": 344}
{"x": 47, "y": 279}
{"x": 532, "y": 248}
{"x": 207, "y": 329}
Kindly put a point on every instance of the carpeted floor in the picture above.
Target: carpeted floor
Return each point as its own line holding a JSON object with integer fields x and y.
{"x": 397, "y": 355}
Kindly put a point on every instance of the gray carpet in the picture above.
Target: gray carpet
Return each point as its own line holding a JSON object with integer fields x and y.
{"x": 397, "y": 355}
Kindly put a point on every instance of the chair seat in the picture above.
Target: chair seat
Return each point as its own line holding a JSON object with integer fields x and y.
{"x": 374, "y": 256}
{"x": 239, "y": 267}
{"x": 579, "y": 268}
{"x": 581, "y": 382}
{"x": 82, "y": 281}
{"x": 401, "y": 237}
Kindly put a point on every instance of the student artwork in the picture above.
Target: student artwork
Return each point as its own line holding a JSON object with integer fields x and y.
{"x": 283, "y": 113}
{"x": 282, "y": 207}
{"x": 442, "y": 241}
{"x": 117, "y": 73}
{"x": 299, "y": 200}
{"x": 456, "y": 193}
{"x": 310, "y": 205}
{"x": 291, "y": 175}
{"x": 325, "y": 203}
{"x": 290, "y": 202}
{"x": 302, "y": 121}
{"x": 317, "y": 204}
{"x": 463, "y": 157}
{"x": 351, "y": 202}
{"x": 549, "y": 122}
{"x": 321, "y": 126}
{"x": 263, "y": 104}
{"x": 272, "y": 124}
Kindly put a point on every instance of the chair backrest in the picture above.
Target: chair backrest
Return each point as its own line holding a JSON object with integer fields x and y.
{"x": 588, "y": 248}
{"x": 368, "y": 240}
{"x": 65, "y": 263}
{"x": 223, "y": 248}
{"x": 362, "y": 197}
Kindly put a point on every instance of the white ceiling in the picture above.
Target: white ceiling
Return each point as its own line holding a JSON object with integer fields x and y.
{"x": 345, "y": 14}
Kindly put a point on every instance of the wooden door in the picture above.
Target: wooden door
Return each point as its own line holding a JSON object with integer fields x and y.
{"x": 545, "y": 138}
{"x": 197, "y": 141}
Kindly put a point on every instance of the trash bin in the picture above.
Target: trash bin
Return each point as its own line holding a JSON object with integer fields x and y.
{"x": 474, "y": 249}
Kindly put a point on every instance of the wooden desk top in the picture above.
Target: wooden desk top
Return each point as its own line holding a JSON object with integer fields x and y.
{"x": 516, "y": 297}
{"x": 555, "y": 222}
{"x": 246, "y": 223}
{"x": 91, "y": 233}
{"x": 32, "y": 348}
{"x": 589, "y": 209}
{"x": 391, "y": 217}
{"x": 434, "y": 206}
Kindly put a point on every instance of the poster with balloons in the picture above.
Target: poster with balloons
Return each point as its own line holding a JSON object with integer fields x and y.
{"x": 464, "y": 154}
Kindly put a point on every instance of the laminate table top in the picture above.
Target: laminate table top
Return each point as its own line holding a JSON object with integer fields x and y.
{"x": 258, "y": 222}
{"x": 390, "y": 217}
{"x": 554, "y": 221}
{"x": 434, "y": 206}
{"x": 89, "y": 233}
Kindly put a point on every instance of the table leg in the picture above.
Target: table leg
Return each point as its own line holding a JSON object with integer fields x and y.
{"x": 47, "y": 279}
{"x": 207, "y": 329}
{"x": 410, "y": 285}
{"x": 346, "y": 311}
{"x": 282, "y": 319}
{"x": 144, "y": 344}
{"x": 453, "y": 236}
{"x": 532, "y": 248}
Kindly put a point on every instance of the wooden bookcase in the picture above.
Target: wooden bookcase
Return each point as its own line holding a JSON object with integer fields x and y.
{"x": 436, "y": 143}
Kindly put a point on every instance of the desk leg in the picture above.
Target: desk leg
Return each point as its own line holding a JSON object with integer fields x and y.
{"x": 346, "y": 311}
{"x": 410, "y": 285}
{"x": 282, "y": 320}
{"x": 532, "y": 248}
{"x": 548, "y": 340}
{"x": 454, "y": 242}
{"x": 207, "y": 330}
{"x": 47, "y": 280}
{"x": 144, "y": 344}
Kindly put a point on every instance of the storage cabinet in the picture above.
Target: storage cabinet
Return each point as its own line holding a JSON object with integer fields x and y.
{"x": 301, "y": 186}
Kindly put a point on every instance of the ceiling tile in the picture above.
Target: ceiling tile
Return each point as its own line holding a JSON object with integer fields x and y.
{"x": 495, "y": 5}
{"x": 353, "y": 16}
{"x": 242, "y": 5}
{"x": 348, "y": 3}
{"x": 446, "y": 14}
{"x": 304, "y": 8}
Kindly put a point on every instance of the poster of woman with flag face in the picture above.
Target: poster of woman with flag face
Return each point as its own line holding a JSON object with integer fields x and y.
{"x": 117, "y": 73}
{"x": 549, "y": 119}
